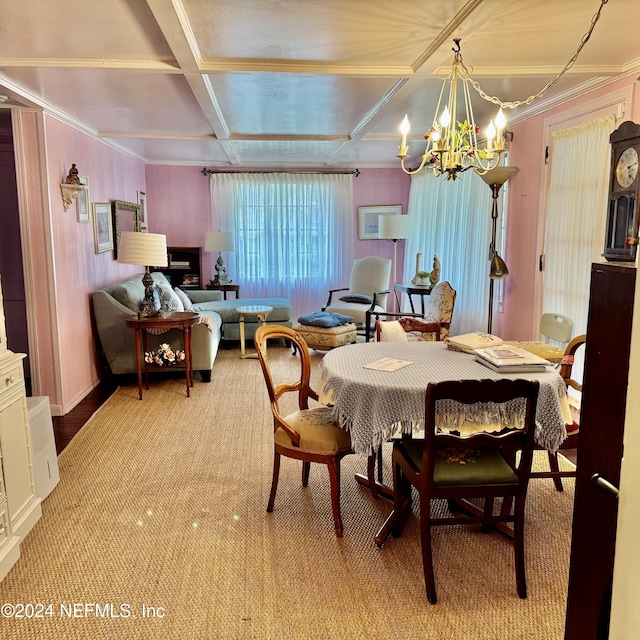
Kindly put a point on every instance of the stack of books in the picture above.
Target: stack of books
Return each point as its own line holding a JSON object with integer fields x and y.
{"x": 511, "y": 360}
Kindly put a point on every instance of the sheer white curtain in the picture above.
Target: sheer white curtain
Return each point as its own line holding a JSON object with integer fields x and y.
{"x": 576, "y": 217}
{"x": 452, "y": 219}
{"x": 293, "y": 233}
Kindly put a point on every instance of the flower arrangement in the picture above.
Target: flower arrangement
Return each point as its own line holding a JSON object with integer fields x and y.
{"x": 630, "y": 241}
{"x": 461, "y": 138}
{"x": 164, "y": 356}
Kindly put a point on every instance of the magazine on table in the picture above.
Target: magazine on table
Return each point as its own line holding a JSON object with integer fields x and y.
{"x": 469, "y": 342}
{"x": 504, "y": 358}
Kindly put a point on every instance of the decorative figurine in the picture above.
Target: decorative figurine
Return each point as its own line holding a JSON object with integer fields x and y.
{"x": 221, "y": 276}
{"x": 415, "y": 278}
{"x": 73, "y": 177}
{"x": 434, "y": 277}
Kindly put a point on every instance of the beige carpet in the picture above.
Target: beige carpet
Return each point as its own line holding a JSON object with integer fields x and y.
{"x": 162, "y": 503}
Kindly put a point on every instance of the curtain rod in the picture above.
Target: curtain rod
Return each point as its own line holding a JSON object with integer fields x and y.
{"x": 354, "y": 172}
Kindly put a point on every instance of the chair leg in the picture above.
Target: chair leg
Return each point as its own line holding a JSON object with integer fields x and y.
{"x": 553, "y": 465}
{"x": 274, "y": 481}
{"x": 306, "y": 467}
{"x": 518, "y": 546}
{"x": 334, "y": 477}
{"x": 380, "y": 464}
{"x": 427, "y": 553}
{"x": 485, "y": 527}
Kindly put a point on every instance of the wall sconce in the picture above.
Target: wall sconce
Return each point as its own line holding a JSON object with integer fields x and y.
{"x": 71, "y": 187}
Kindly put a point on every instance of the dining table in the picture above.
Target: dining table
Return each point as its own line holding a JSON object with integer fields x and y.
{"x": 377, "y": 391}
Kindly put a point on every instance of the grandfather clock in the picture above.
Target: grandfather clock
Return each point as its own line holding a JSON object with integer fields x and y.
{"x": 621, "y": 240}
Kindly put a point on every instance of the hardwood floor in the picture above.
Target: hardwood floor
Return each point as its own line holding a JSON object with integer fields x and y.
{"x": 65, "y": 427}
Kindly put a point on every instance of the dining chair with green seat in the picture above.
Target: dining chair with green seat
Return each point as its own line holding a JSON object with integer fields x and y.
{"x": 481, "y": 465}
{"x": 407, "y": 328}
{"x": 308, "y": 434}
{"x": 573, "y": 429}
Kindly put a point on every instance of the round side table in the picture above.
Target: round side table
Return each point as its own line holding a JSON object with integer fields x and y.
{"x": 261, "y": 311}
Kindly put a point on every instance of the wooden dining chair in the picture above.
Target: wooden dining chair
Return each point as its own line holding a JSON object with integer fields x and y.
{"x": 573, "y": 429}
{"x": 481, "y": 465}
{"x": 308, "y": 434}
{"x": 408, "y": 327}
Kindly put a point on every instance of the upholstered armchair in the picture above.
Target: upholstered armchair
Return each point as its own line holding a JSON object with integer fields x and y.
{"x": 439, "y": 307}
{"x": 367, "y": 292}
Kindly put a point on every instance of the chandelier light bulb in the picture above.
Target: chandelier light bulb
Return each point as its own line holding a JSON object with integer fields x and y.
{"x": 491, "y": 131}
{"x": 445, "y": 118}
{"x": 501, "y": 121}
{"x": 405, "y": 127}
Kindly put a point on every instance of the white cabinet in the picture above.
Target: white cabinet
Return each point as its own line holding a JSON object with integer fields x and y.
{"x": 19, "y": 505}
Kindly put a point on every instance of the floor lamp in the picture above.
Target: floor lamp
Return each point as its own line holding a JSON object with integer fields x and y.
{"x": 392, "y": 229}
{"x": 498, "y": 269}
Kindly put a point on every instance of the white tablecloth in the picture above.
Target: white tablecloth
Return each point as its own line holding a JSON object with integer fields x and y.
{"x": 372, "y": 404}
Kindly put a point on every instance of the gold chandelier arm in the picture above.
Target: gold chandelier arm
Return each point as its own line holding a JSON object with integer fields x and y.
{"x": 530, "y": 99}
{"x": 411, "y": 173}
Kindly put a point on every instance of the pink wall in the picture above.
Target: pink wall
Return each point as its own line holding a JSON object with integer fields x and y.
{"x": 379, "y": 187}
{"x": 77, "y": 269}
{"x": 179, "y": 206}
{"x": 519, "y": 320}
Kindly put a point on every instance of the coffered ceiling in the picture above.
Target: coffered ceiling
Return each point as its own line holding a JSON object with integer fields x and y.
{"x": 290, "y": 83}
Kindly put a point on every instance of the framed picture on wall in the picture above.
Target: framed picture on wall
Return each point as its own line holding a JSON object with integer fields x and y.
{"x": 83, "y": 201}
{"x": 142, "y": 202}
{"x": 102, "y": 226}
{"x": 126, "y": 217}
{"x": 368, "y": 219}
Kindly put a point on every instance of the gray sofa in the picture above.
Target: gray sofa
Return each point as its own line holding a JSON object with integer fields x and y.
{"x": 113, "y": 304}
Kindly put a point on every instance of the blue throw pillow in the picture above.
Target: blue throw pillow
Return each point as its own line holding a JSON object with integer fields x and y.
{"x": 324, "y": 319}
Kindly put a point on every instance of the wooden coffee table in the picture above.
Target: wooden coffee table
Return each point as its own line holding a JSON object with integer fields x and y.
{"x": 176, "y": 320}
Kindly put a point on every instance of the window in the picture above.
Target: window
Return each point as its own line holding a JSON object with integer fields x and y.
{"x": 293, "y": 233}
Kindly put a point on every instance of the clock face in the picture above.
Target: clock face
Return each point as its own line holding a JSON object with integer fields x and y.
{"x": 627, "y": 167}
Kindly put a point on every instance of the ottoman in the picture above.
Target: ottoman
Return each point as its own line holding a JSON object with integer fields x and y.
{"x": 323, "y": 339}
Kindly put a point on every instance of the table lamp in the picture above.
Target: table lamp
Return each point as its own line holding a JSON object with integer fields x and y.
{"x": 144, "y": 249}
{"x": 219, "y": 241}
{"x": 392, "y": 229}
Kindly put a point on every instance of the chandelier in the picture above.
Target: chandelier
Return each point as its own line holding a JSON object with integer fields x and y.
{"x": 452, "y": 143}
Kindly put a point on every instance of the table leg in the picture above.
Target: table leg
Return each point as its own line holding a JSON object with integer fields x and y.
{"x": 241, "y": 324}
{"x": 262, "y": 318}
{"x": 139, "y": 362}
{"x": 144, "y": 364}
{"x": 187, "y": 357}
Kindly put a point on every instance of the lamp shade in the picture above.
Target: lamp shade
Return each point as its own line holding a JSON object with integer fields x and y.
{"x": 394, "y": 227}
{"x": 219, "y": 241}
{"x": 145, "y": 249}
{"x": 498, "y": 268}
{"x": 499, "y": 175}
